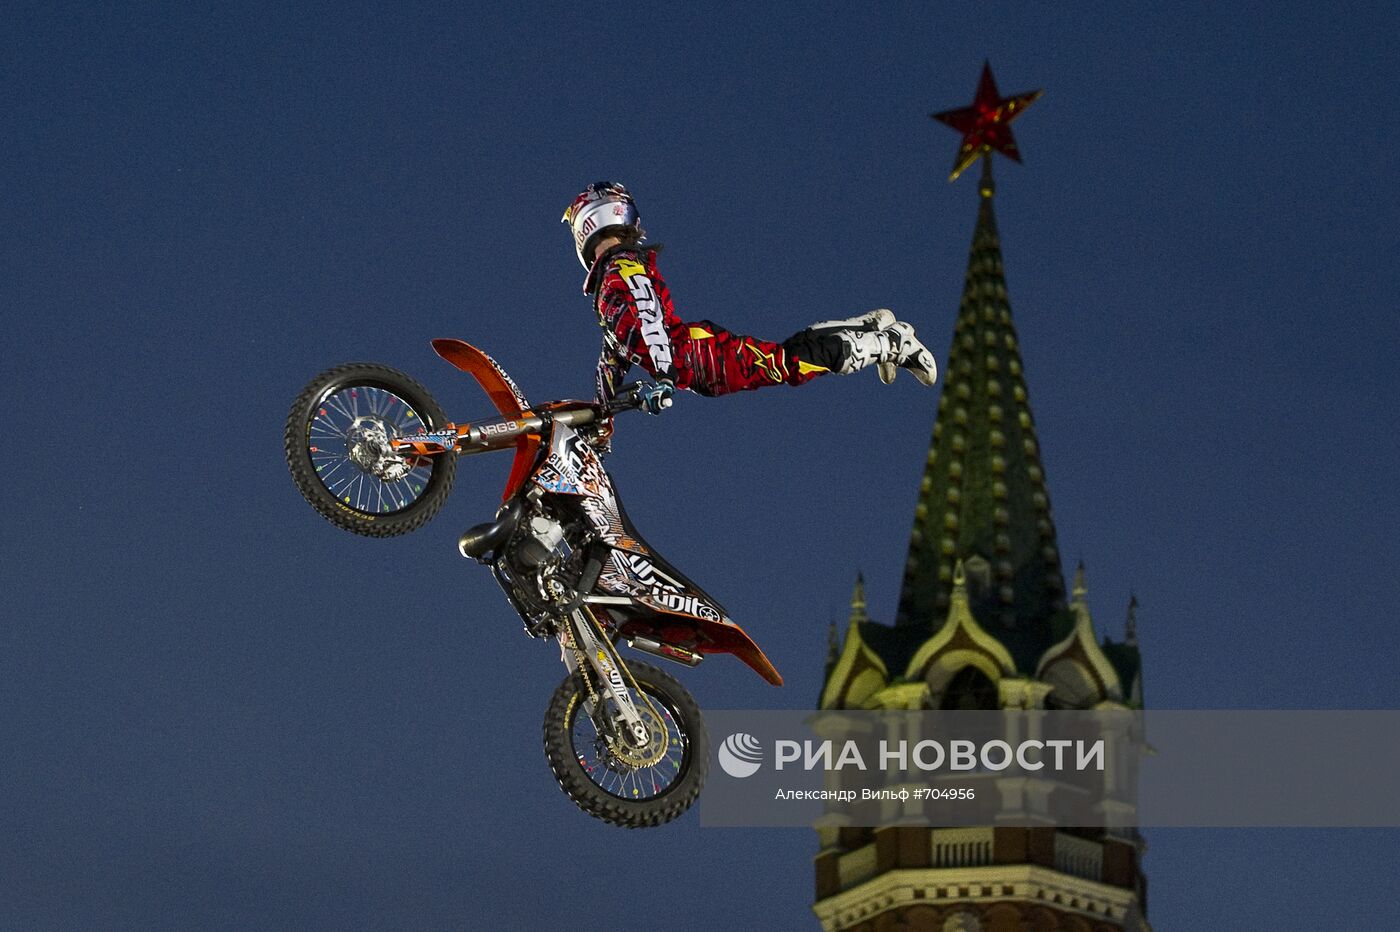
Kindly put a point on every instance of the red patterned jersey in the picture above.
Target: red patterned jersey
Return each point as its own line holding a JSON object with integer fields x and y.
{"x": 641, "y": 327}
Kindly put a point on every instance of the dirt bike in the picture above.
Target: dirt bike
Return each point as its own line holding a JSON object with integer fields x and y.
{"x": 372, "y": 451}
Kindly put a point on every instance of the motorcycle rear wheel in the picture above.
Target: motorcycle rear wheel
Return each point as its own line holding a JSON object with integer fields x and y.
{"x": 359, "y": 397}
{"x": 614, "y": 794}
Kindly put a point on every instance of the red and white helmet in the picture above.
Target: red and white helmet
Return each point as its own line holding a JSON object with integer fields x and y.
{"x": 602, "y": 206}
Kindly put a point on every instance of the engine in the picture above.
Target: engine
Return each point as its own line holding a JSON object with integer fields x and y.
{"x": 539, "y": 543}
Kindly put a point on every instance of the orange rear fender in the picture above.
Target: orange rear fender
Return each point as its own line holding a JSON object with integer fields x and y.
{"x": 725, "y": 637}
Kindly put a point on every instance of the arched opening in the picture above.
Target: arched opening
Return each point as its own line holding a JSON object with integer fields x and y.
{"x": 1073, "y": 686}
{"x": 970, "y": 690}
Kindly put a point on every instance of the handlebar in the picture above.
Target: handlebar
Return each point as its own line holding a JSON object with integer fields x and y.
{"x": 635, "y": 395}
{"x": 628, "y": 398}
{"x": 502, "y": 433}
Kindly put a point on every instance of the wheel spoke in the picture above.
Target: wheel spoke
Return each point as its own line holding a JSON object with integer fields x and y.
{"x": 327, "y": 428}
{"x": 337, "y": 402}
{"x": 325, "y": 476}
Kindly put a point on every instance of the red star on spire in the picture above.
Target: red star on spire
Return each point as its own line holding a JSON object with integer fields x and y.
{"x": 986, "y": 124}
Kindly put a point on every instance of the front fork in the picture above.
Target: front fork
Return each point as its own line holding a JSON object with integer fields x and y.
{"x": 579, "y": 640}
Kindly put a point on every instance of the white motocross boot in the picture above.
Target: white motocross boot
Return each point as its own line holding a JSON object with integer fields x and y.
{"x": 880, "y": 348}
{"x": 882, "y": 318}
{"x": 879, "y": 319}
{"x": 909, "y": 354}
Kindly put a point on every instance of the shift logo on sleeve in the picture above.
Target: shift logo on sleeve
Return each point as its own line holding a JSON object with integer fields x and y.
{"x": 649, "y": 312}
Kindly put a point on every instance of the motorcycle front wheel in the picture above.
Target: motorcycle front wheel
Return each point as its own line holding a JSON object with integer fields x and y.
{"x": 336, "y": 443}
{"x": 642, "y": 787}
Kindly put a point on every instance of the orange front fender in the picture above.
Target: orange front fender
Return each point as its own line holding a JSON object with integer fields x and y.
{"x": 503, "y": 394}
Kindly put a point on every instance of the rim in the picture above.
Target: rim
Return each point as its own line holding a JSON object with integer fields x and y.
{"x": 620, "y": 780}
{"x": 345, "y": 409}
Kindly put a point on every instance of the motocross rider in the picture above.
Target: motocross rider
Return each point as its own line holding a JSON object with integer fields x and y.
{"x": 640, "y": 325}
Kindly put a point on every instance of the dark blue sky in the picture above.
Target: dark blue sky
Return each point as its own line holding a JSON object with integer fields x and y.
{"x": 217, "y": 711}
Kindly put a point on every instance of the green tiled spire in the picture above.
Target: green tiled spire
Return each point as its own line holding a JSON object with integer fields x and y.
{"x": 983, "y": 498}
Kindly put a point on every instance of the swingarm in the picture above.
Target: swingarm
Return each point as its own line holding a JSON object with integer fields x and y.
{"x": 581, "y": 646}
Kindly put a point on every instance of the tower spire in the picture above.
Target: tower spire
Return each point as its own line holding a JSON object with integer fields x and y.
{"x": 982, "y": 622}
{"x": 983, "y": 492}
{"x": 1130, "y": 626}
{"x": 858, "y": 612}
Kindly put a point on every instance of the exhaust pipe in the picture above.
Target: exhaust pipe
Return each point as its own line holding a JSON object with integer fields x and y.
{"x": 670, "y": 652}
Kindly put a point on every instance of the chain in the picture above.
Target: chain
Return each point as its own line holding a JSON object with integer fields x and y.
{"x": 582, "y": 661}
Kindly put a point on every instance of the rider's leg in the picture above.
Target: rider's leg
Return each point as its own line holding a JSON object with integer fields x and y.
{"x": 847, "y": 350}
{"x": 720, "y": 362}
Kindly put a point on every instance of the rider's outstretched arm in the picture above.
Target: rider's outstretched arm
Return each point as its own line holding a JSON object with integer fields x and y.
{"x": 635, "y": 319}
